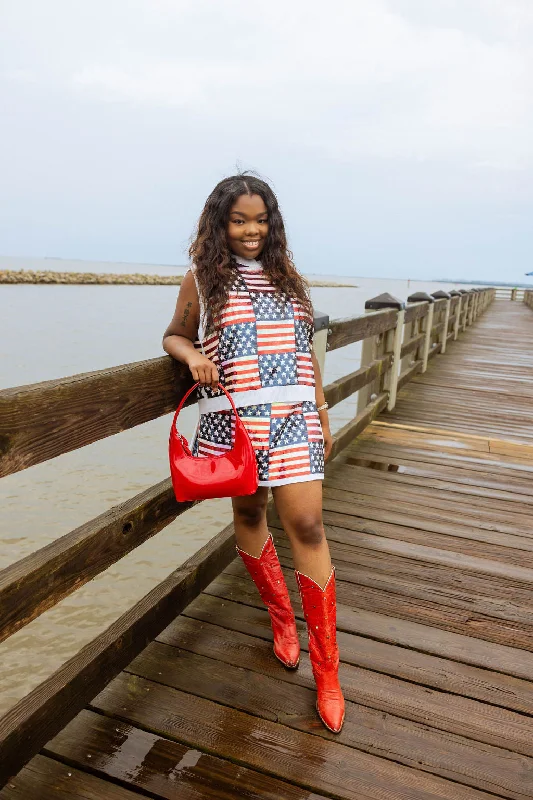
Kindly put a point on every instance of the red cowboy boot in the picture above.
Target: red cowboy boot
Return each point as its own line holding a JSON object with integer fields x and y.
{"x": 268, "y": 577}
{"x": 320, "y": 612}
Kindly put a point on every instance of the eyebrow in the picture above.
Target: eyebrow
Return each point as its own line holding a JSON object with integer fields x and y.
{"x": 242, "y": 214}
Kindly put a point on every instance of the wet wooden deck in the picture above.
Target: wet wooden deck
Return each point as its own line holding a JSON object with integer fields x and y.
{"x": 428, "y": 515}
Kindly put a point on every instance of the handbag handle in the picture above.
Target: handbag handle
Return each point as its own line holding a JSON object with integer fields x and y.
{"x": 184, "y": 398}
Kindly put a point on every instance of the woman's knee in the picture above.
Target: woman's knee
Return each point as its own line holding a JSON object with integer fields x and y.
{"x": 251, "y": 515}
{"x": 308, "y": 529}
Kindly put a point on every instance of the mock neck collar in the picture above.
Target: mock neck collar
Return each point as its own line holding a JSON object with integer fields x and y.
{"x": 251, "y": 263}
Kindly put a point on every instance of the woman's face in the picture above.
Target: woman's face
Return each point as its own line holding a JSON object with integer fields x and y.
{"x": 247, "y": 228}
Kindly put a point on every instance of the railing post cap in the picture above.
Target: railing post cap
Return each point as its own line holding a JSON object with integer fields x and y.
{"x": 463, "y": 291}
{"x": 320, "y": 320}
{"x": 384, "y": 300}
{"x": 455, "y": 293}
{"x": 420, "y": 297}
{"x": 440, "y": 295}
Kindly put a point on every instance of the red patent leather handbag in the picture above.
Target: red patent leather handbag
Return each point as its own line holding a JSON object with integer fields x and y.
{"x": 230, "y": 474}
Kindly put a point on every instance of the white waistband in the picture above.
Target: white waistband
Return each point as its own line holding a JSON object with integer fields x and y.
{"x": 254, "y": 397}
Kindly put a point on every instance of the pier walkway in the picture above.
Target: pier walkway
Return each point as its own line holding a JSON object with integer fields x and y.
{"x": 428, "y": 514}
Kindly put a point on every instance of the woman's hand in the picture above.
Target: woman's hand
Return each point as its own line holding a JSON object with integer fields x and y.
{"x": 203, "y": 370}
{"x": 328, "y": 438}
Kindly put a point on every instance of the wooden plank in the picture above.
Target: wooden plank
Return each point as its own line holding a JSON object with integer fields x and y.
{"x": 389, "y": 485}
{"x": 35, "y": 583}
{"x": 351, "y": 502}
{"x": 363, "y": 568}
{"x": 355, "y": 329}
{"x": 43, "y": 420}
{"x": 505, "y": 550}
{"x": 467, "y": 479}
{"x": 370, "y": 510}
{"x": 407, "y": 626}
{"x": 344, "y": 387}
{"x": 47, "y": 779}
{"x": 41, "y": 714}
{"x": 398, "y": 660}
{"x": 414, "y": 744}
{"x": 305, "y": 759}
{"x": 378, "y": 686}
{"x": 348, "y": 432}
{"x": 162, "y": 768}
{"x": 497, "y": 619}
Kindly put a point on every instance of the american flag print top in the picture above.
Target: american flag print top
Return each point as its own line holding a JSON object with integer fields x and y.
{"x": 261, "y": 344}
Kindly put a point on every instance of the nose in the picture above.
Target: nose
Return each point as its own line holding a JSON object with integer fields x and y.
{"x": 252, "y": 229}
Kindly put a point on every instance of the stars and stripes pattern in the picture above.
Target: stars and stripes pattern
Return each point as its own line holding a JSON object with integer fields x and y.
{"x": 262, "y": 340}
{"x": 286, "y": 437}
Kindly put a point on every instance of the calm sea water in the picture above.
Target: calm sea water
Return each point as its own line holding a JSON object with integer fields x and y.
{"x": 53, "y": 331}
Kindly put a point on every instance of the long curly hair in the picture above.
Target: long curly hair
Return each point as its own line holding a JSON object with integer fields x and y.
{"x": 214, "y": 262}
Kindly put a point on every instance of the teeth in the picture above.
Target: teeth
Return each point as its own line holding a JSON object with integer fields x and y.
{"x": 250, "y": 244}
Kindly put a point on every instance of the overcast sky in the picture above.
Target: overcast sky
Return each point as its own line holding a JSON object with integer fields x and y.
{"x": 398, "y": 134}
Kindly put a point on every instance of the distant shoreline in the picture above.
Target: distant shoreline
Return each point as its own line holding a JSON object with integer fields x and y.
{"x": 109, "y": 279}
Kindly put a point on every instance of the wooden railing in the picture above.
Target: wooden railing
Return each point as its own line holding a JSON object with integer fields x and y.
{"x": 41, "y": 421}
{"x": 528, "y": 297}
{"x": 508, "y": 293}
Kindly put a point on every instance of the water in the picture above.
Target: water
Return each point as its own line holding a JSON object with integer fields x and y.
{"x": 52, "y": 331}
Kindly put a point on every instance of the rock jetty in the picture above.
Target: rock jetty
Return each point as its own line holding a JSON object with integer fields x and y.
{"x": 106, "y": 279}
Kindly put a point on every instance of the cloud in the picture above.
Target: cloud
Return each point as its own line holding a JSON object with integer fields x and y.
{"x": 366, "y": 78}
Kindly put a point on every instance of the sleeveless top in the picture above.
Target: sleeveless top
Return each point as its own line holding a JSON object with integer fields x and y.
{"x": 261, "y": 344}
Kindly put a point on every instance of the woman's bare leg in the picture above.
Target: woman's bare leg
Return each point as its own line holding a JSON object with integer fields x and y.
{"x": 249, "y": 516}
{"x": 299, "y": 506}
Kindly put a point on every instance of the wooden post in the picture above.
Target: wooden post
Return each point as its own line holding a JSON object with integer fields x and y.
{"x": 455, "y": 293}
{"x": 477, "y": 298}
{"x": 427, "y": 324}
{"x": 464, "y": 307}
{"x": 440, "y": 295}
{"x": 320, "y": 339}
{"x": 513, "y": 294}
{"x": 471, "y": 306}
{"x": 376, "y": 346}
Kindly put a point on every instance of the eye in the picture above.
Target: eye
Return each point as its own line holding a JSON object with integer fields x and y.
{"x": 237, "y": 221}
{"x": 262, "y": 221}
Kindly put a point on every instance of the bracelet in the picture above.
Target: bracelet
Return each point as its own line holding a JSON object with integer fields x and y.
{"x": 323, "y": 406}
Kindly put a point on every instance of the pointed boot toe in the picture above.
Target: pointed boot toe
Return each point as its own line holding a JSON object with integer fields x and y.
{"x": 331, "y": 710}
{"x": 287, "y": 650}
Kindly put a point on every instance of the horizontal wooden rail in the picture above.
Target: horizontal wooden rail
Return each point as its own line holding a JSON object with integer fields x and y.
{"x": 412, "y": 344}
{"x": 36, "y": 583}
{"x": 44, "y": 420}
{"x": 40, "y": 715}
{"x": 344, "y": 387}
{"x": 348, "y": 331}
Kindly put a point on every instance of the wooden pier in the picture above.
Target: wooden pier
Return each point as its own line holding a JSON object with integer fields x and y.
{"x": 428, "y": 508}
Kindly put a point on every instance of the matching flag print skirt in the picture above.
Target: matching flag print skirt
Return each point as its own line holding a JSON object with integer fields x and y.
{"x": 287, "y": 439}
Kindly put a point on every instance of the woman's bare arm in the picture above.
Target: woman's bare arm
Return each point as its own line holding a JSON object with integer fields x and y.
{"x": 179, "y": 337}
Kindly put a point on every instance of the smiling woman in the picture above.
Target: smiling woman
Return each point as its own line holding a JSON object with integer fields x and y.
{"x": 248, "y": 226}
{"x": 247, "y": 324}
